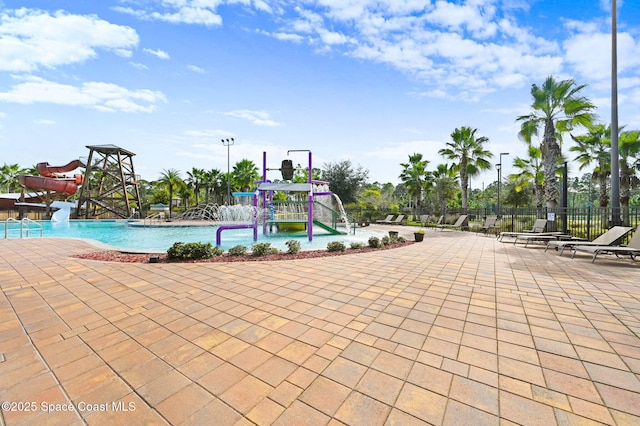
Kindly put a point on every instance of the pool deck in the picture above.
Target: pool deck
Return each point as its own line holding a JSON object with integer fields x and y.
{"x": 460, "y": 330}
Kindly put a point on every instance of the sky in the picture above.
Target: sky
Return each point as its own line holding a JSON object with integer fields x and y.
{"x": 372, "y": 81}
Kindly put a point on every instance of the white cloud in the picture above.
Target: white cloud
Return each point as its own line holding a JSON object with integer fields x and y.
{"x": 32, "y": 39}
{"x": 45, "y": 122}
{"x": 196, "y": 69}
{"x": 101, "y": 96}
{"x": 160, "y": 54}
{"x": 139, "y": 65}
{"x": 196, "y": 12}
{"x": 259, "y": 118}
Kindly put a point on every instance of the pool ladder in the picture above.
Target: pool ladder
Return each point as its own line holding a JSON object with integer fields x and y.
{"x": 26, "y": 225}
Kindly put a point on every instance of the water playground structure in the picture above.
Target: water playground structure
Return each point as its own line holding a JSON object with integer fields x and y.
{"x": 306, "y": 207}
{"x": 108, "y": 188}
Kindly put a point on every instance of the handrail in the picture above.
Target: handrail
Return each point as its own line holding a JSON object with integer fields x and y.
{"x": 25, "y": 227}
{"x": 6, "y": 226}
{"x": 154, "y": 218}
{"x": 28, "y": 221}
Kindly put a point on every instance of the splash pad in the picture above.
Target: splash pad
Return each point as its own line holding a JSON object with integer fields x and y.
{"x": 305, "y": 206}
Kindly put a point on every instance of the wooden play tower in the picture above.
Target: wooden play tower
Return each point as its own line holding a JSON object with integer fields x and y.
{"x": 110, "y": 186}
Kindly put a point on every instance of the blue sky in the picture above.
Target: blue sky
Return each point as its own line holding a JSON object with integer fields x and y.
{"x": 372, "y": 81}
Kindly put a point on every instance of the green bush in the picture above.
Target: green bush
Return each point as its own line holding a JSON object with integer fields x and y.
{"x": 336, "y": 246}
{"x": 263, "y": 249}
{"x": 238, "y": 250}
{"x": 357, "y": 246}
{"x": 401, "y": 239}
{"x": 192, "y": 251}
{"x": 385, "y": 240}
{"x": 293, "y": 246}
{"x": 374, "y": 242}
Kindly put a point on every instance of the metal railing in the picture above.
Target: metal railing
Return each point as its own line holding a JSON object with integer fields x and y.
{"x": 24, "y": 227}
{"x": 154, "y": 218}
{"x": 583, "y": 222}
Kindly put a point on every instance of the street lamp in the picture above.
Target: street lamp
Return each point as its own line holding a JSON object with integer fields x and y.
{"x": 228, "y": 142}
{"x": 499, "y": 168}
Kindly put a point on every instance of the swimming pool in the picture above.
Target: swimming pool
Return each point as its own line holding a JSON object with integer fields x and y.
{"x": 119, "y": 235}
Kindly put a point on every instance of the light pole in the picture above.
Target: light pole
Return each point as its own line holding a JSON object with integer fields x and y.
{"x": 228, "y": 142}
{"x": 498, "y": 213}
{"x": 616, "y": 219}
{"x": 499, "y": 167}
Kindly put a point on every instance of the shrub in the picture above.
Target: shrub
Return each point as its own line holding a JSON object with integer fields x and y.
{"x": 357, "y": 246}
{"x": 336, "y": 246}
{"x": 374, "y": 242}
{"x": 238, "y": 250}
{"x": 293, "y": 246}
{"x": 385, "y": 240}
{"x": 401, "y": 239}
{"x": 192, "y": 251}
{"x": 263, "y": 249}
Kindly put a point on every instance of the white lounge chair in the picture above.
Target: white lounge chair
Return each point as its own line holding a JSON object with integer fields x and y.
{"x": 632, "y": 249}
{"x": 609, "y": 238}
{"x": 538, "y": 227}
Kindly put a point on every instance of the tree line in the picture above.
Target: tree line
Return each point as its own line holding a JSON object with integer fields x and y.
{"x": 558, "y": 110}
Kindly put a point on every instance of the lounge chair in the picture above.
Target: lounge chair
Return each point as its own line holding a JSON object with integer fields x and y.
{"x": 611, "y": 237}
{"x": 632, "y": 249}
{"x": 539, "y": 227}
{"x": 489, "y": 224}
{"x": 461, "y": 223}
{"x": 546, "y": 237}
{"x": 397, "y": 221}
{"x": 385, "y": 220}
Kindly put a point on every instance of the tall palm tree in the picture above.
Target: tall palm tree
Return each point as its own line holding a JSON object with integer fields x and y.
{"x": 595, "y": 147}
{"x": 557, "y": 107}
{"x": 530, "y": 172}
{"x": 195, "y": 180}
{"x": 245, "y": 172}
{"x": 471, "y": 156}
{"x": 170, "y": 179}
{"x": 629, "y": 150}
{"x": 414, "y": 177}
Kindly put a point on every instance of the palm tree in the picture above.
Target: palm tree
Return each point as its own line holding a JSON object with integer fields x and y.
{"x": 469, "y": 151}
{"x": 195, "y": 180}
{"x": 445, "y": 185}
{"x": 414, "y": 177}
{"x": 244, "y": 174}
{"x": 558, "y": 107}
{"x": 170, "y": 179}
{"x": 530, "y": 171}
{"x": 594, "y": 147}
{"x": 211, "y": 181}
{"x": 629, "y": 150}
{"x": 9, "y": 176}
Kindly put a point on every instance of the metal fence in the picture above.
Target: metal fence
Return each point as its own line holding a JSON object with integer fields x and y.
{"x": 587, "y": 222}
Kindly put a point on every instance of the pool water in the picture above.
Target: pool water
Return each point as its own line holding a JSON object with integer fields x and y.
{"x": 121, "y": 236}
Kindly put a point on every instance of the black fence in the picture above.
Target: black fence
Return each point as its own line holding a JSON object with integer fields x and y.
{"x": 587, "y": 222}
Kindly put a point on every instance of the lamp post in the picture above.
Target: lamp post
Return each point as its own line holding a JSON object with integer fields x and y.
{"x": 616, "y": 219}
{"x": 228, "y": 142}
{"x": 499, "y": 167}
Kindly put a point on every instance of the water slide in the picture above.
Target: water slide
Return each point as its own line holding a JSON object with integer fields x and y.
{"x": 51, "y": 180}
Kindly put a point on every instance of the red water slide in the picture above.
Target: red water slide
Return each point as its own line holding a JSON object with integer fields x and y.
{"x": 50, "y": 180}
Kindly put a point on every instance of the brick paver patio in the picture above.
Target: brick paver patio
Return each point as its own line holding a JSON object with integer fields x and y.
{"x": 459, "y": 329}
